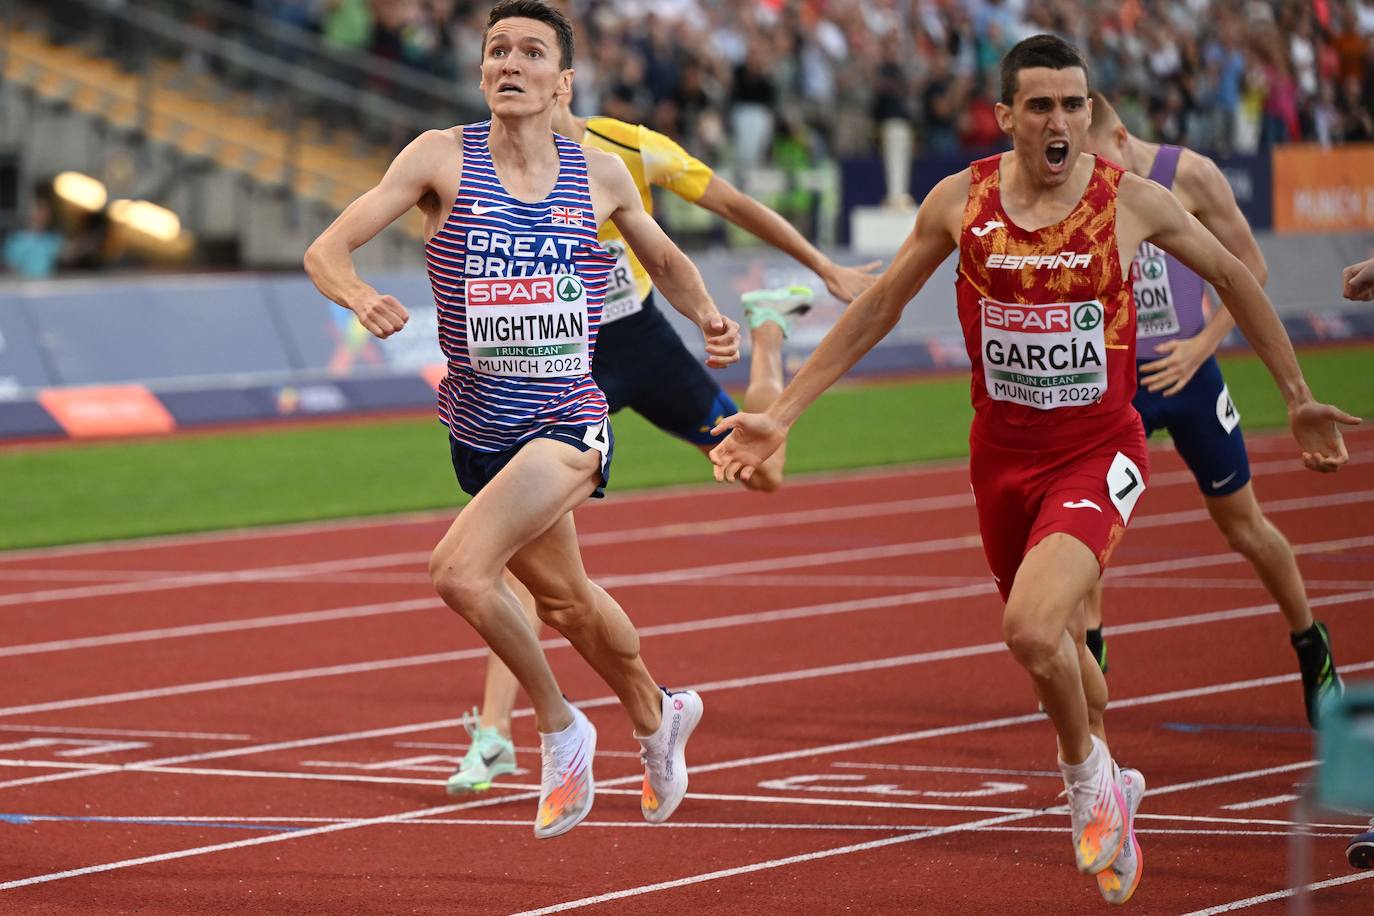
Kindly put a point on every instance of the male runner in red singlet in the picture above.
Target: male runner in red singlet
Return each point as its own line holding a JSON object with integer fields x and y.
{"x": 511, "y": 213}
{"x": 1045, "y": 236}
{"x": 1182, "y": 390}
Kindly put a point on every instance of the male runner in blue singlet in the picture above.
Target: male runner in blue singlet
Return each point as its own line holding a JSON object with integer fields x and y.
{"x": 1181, "y": 388}
{"x": 511, "y": 214}
{"x": 642, "y": 364}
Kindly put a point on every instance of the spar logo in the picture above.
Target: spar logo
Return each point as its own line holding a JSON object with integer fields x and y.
{"x": 512, "y": 291}
{"x": 1152, "y": 268}
{"x": 1032, "y": 319}
{"x": 569, "y": 289}
{"x": 1087, "y": 316}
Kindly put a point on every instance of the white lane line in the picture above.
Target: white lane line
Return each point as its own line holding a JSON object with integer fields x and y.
{"x": 982, "y": 824}
{"x": 122, "y": 732}
{"x": 975, "y": 771}
{"x": 435, "y": 516}
{"x": 426, "y": 604}
{"x": 664, "y": 494}
{"x": 989, "y": 724}
{"x": 242, "y": 844}
{"x": 267, "y": 821}
{"x": 711, "y": 527}
{"x": 417, "y": 557}
{"x": 200, "y": 579}
{"x": 1261, "y": 802}
{"x": 225, "y": 626}
{"x": 923, "y": 834}
{"x": 1281, "y": 895}
{"x": 918, "y": 658}
{"x": 1254, "y": 774}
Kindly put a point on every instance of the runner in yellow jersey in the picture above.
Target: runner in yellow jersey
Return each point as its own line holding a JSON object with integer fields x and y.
{"x": 642, "y": 363}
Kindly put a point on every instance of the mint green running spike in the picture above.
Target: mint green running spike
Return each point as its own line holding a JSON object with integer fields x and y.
{"x": 491, "y": 755}
{"x": 779, "y": 306}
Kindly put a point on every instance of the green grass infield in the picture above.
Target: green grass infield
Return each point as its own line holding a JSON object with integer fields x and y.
{"x": 66, "y": 493}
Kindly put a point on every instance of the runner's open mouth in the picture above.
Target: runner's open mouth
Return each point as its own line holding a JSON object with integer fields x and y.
{"x": 1057, "y": 154}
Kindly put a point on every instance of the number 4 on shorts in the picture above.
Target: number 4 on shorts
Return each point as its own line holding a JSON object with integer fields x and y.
{"x": 1125, "y": 483}
{"x": 595, "y": 436}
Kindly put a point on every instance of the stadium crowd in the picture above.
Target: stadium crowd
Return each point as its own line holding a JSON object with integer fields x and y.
{"x": 728, "y": 78}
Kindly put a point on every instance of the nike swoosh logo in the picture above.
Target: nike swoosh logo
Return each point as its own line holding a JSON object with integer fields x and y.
{"x": 479, "y": 210}
{"x": 988, "y": 227}
{"x": 1218, "y": 484}
{"x": 488, "y": 761}
{"x": 1083, "y": 504}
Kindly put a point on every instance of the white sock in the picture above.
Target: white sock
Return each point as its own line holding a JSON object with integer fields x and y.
{"x": 662, "y": 722}
{"x": 553, "y": 739}
{"x": 1083, "y": 772}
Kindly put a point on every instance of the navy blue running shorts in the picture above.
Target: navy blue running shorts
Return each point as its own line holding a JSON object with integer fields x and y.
{"x": 641, "y": 363}
{"x": 1205, "y": 427}
{"x": 475, "y": 468}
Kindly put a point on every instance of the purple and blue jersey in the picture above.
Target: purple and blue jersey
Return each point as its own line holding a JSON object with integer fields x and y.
{"x": 1168, "y": 296}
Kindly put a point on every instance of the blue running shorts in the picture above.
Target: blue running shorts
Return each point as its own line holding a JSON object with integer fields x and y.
{"x": 1205, "y": 427}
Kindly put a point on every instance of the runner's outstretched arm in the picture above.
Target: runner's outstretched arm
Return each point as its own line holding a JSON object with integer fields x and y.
{"x": 1358, "y": 281}
{"x": 867, "y": 320}
{"x": 329, "y": 259}
{"x": 1212, "y": 201}
{"x": 1167, "y": 224}
{"x": 672, "y": 272}
{"x": 725, "y": 200}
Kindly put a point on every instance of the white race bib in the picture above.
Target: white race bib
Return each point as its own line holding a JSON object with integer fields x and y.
{"x": 622, "y": 293}
{"x": 1155, "y": 315}
{"x": 1227, "y": 415}
{"x": 1125, "y": 483}
{"x": 527, "y": 327}
{"x": 1044, "y": 356}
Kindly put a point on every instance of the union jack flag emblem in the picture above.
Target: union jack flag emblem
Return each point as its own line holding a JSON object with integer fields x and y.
{"x": 567, "y": 216}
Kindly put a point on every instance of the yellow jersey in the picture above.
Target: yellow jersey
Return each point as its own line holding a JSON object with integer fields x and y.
{"x": 652, "y": 159}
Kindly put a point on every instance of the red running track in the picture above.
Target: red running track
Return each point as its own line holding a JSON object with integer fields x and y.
{"x": 262, "y": 721}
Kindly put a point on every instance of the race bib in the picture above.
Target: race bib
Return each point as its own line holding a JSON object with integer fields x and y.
{"x": 1125, "y": 483}
{"x": 1155, "y": 315}
{"x": 527, "y": 327}
{"x": 622, "y": 293}
{"x": 1227, "y": 415}
{"x": 1044, "y": 356}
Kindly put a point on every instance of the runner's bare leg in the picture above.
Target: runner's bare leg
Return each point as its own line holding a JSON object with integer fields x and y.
{"x": 1050, "y": 586}
{"x": 542, "y": 484}
{"x": 601, "y": 632}
{"x": 501, "y": 690}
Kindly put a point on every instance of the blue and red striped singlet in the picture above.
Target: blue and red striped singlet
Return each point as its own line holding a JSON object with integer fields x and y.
{"x": 519, "y": 288}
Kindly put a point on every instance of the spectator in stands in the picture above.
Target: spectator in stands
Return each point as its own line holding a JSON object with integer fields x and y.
{"x": 753, "y": 98}
{"x": 33, "y": 252}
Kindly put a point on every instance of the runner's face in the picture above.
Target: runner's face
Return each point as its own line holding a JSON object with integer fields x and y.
{"x": 520, "y": 71}
{"x": 1048, "y": 121}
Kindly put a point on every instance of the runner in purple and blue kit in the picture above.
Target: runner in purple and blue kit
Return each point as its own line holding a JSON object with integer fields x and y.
{"x": 511, "y": 215}
{"x": 1181, "y": 389}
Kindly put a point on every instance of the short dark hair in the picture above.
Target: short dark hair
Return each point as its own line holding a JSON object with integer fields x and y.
{"x": 1037, "y": 51}
{"x": 541, "y": 12}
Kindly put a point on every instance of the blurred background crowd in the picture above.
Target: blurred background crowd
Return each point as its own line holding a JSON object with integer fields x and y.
{"x": 797, "y": 101}
{"x": 744, "y": 79}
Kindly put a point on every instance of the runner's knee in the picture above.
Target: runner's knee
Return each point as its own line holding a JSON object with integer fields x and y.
{"x": 461, "y": 587}
{"x": 1032, "y": 641}
{"x": 1248, "y": 535}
